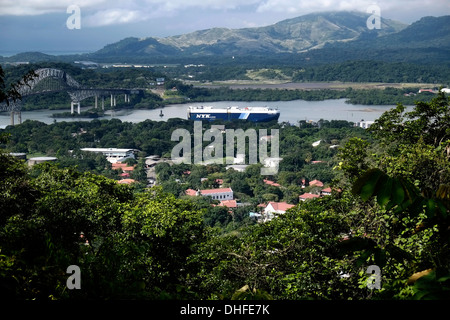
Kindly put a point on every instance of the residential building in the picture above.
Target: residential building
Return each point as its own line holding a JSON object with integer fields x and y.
{"x": 427, "y": 90}
{"x": 126, "y": 181}
{"x": 274, "y": 208}
{"x": 36, "y": 160}
{"x": 216, "y": 194}
{"x": 328, "y": 191}
{"x": 113, "y": 155}
{"x": 271, "y": 183}
{"x": 123, "y": 166}
{"x": 364, "y": 124}
{"x": 307, "y": 196}
{"x": 228, "y": 203}
{"x": 316, "y": 183}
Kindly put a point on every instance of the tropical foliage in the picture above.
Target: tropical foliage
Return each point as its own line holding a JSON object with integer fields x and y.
{"x": 390, "y": 209}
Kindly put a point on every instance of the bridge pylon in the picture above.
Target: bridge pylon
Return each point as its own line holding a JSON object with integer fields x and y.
{"x": 72, "y": 104}
{"x": 19, "y": 117}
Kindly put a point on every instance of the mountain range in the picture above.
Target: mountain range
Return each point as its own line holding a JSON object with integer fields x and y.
{"x": 319, "y": 37}
{"x": 297, "y": 35}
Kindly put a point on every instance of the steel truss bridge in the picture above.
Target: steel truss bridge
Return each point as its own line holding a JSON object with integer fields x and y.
{"x": 50, "y": 80}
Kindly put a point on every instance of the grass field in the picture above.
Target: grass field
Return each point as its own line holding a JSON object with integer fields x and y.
{"x": 336, "y": 85}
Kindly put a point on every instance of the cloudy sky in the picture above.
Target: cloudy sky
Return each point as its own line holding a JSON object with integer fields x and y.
{"x": 48, "y": 25}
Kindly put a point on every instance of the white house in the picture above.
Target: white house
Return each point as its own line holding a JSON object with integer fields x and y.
{"x": 215, "y": 194}
{"x": 364, "y": 124}
{"x": 274, "y": 208}
{"x": 113, "y": 155}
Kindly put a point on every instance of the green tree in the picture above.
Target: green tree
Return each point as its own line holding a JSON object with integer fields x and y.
{"x": 406, "y": 194}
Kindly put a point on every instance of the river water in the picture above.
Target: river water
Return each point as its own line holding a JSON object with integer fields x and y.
{"x": 290, "y": 111}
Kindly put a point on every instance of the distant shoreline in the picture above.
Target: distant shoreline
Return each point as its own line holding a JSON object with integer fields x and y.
{"x": 310, "y": 85}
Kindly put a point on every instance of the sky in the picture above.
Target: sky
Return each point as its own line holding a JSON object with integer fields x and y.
{"x": 70, "y": 26}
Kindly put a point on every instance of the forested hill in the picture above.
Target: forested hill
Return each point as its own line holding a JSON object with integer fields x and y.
{"x": 424, "y": 41}
{"x": 314, "y": 38}
{"x": 324, "y": 37}
{"x": 287, "y": 36}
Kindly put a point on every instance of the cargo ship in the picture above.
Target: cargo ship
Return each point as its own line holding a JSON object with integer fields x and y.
{"x": 254, "y": 114}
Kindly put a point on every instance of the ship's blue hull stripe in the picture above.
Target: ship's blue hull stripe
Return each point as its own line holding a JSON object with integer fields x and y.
{"x": 256, "y": 117}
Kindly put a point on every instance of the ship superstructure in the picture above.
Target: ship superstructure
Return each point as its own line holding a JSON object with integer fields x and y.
{"x": 254, "y": 114}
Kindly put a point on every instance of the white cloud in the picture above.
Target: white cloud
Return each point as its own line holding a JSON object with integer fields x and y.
{"x": 102, "y": 12}
{"x": 403, "y": 10}
{"x": 304, "y": 7}
{"x": 38, "y": 7}
{"x": 113, "y": 16}
{"x": 390, "y": 6}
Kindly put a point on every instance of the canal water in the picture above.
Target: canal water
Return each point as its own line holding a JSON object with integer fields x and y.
{"x": 290, "y": 111}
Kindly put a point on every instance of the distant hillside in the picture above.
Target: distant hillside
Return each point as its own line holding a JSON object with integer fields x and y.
{"x": 428, "y": 32}
{"x": 296, "y": 35}
{"x": 288, "y": 36}
{"x": 318, "y": 38}
{"x": 426, "y": 40}
{"x": 315, "y": 38}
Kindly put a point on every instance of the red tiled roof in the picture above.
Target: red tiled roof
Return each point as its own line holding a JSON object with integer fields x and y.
{"x": 316, "y": 183}
{"x": 228, "y": 203}
{"x": 126, "y": 181}
{"x": 271, "y": 183}
{"x": 329, "y": 190}
{"x": 282, "y": 206}
{"x": 123, "y": 166}
{"x": 191, "y": 192}
{"x": 219, "y": 190}
{"x": 309, "y": 196}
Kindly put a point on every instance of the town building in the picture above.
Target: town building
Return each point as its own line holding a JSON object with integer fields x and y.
{"x": 316, "y": 183}
{"x": 36, "y": 160}
{"x": 271, "y": 183}
{"x": 216, "y": 194}
{"x": 126, "y": 181}
{"x": 328, "y": 191}
{"x": 232, "y": 204}
{"x": 364, "y": 124}
{"x": 307, "y": 196}
{"x": 273, "y": 209}
{"x": 113, "y": 155}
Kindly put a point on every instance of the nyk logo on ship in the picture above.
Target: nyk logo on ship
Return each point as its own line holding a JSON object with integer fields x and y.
{"x": 203, "y": 116}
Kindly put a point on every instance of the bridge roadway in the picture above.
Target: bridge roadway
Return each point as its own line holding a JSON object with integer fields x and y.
{"x": 64, "y": 82}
